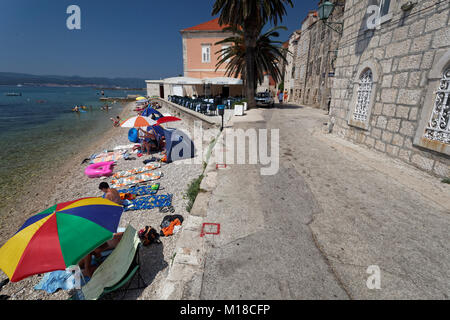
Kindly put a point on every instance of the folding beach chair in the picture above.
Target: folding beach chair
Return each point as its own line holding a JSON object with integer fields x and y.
{"x": 118, "y": 270}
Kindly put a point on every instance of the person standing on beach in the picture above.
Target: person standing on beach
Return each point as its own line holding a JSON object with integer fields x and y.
{"x": 116, "y": 122}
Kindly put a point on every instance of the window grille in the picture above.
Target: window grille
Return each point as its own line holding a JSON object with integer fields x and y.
{"x": 438, "y": 128}
{"x": 364, "y": 93}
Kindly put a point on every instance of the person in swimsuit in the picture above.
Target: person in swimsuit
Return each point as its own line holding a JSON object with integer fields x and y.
{"x": 110, "y": 193}
{"x": 149, "y": 141}
{"x": 116, "y": 122}
{"x": 85, "y": 263}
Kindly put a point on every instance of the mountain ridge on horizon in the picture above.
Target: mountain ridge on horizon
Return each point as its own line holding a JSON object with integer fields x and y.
{"x": 15, "y": 78}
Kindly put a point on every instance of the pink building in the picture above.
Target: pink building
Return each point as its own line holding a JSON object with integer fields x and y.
{"x": 200, "y": 56}
{"x": 200, "y": 51}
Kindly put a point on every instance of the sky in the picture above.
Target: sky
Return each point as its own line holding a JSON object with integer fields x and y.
{"x": 118, "y": 38}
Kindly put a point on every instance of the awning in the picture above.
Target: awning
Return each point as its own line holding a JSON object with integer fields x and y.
{"x": 223, "y": 81}
{"x": 183, "y": 80}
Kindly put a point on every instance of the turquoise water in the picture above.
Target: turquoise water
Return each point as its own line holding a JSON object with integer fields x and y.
{"x": 38, "y": 130}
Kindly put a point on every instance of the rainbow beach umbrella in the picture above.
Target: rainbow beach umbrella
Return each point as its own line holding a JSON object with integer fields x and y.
{"x": 59, "y": 237}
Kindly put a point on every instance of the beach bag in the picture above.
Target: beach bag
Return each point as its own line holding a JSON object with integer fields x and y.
{"x": 168, "y": 219}
{"x": 169, "y": 230}
{"x": 148, "y": 235}
{"x": 168, "y": 224}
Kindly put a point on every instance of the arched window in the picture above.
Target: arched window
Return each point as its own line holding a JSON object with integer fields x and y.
{"x": 438, "y": 128}
{"x": 363, "y": 96}
{"x": 433, "y": 130}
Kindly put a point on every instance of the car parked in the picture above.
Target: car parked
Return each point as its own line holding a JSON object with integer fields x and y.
{"x": 264, "y": 99}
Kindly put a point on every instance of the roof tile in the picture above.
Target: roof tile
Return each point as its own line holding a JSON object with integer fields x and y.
{"x": 212, "y": 25}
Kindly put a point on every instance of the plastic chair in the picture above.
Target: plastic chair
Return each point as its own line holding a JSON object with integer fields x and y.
{"x": 203, "y": 108}
{"x": 213, "y": 108}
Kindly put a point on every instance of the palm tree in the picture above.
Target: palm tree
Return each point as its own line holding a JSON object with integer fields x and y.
{"x": 250, "y": 16}
{"x": 267, "y": 55}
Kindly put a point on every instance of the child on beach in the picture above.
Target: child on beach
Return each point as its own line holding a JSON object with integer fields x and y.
{"x": 116, "y": 122}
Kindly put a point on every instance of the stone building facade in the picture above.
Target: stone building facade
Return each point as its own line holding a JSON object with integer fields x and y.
{"x": 302, "y": 58}
{"x": 315, "y": 58}
{"x": 289, "y": 69}
{"x": 391, "y": 90}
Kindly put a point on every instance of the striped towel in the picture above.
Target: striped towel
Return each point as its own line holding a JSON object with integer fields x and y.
{"x": 131, "y": 172}
{"x": 107, "y": 156}
{"x": 143, "y": 177}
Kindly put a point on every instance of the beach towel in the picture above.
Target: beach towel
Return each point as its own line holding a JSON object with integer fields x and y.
{"x": 151, "y": 202}
{"x": 125, "y": 147}
{"x": 140, "y": 178}
{"x": 104, "y": 154}
{"x": 107, "y": 156}
{"x": 131, "y": 172}
{"x": 139, "y": 191}
{"x": 53, "y": 281}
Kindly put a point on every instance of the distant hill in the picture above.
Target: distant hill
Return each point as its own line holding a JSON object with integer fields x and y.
{"x": 10, "y": 78}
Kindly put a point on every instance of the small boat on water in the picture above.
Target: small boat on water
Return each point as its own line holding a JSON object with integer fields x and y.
{"x": 13, "y": 94}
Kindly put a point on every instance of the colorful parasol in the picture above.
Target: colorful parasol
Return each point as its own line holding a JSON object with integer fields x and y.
{"x": 138, "y": 122}
{"x": 167, "y": 119}
{"x": 59, "y": 237}
{"x": 141, "y": 98}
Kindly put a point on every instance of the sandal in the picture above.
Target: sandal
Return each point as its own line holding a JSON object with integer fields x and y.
{"x": 163, "y": 209}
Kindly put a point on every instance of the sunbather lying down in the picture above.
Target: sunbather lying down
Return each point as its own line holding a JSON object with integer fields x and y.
{"x": 85, "y": 264}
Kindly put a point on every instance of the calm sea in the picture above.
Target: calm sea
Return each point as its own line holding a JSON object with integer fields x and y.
{"x": 38, "y": 130}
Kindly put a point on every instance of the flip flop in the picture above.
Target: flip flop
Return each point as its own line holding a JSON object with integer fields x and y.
{"x": 163, "y": 209}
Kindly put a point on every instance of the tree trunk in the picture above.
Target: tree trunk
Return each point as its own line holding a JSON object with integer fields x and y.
{"x": 251, "y": 31}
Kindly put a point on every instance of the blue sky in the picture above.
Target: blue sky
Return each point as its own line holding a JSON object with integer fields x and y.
{"x": 118, "y": 38}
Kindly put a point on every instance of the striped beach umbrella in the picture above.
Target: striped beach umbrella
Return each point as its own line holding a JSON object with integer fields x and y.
{"x": 59, "y": 237}
{"x": 138, "y": 122}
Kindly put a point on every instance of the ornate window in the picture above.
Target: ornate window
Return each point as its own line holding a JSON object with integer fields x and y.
{"x": 433, "y": 131}
{"x": 363, "y": 96}
{"x": 438, "y": 127}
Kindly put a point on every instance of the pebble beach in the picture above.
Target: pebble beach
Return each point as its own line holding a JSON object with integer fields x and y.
{"x": 69, "y": 182}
